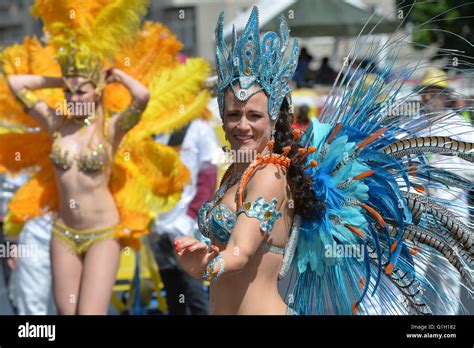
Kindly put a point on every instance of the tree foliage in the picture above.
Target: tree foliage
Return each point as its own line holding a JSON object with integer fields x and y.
{"x": 447, "y": 24}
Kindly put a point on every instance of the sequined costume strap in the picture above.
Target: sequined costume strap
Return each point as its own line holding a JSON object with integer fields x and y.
{"x": 130, "y": 117}
{"x": 27, "y": 98}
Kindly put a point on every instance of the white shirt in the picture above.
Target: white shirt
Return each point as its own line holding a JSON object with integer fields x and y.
{"x": 199, "y": 146}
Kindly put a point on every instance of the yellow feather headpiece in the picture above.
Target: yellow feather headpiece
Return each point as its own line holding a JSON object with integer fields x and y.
{"x": 78, "y": 60}
{"x": 85, "y": 33}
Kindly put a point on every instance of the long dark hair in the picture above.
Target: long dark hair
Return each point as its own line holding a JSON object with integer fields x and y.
{"x": 307, "y": 205}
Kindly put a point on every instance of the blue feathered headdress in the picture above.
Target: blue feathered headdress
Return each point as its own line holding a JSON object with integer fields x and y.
{"x": 253, "y": 61}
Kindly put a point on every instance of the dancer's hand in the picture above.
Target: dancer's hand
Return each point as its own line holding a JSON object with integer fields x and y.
{"x": 193, "y": 255}
{"x": 12, "y": 263}
{"x": 113, "y": 75}
{"x": 139, "y": 92}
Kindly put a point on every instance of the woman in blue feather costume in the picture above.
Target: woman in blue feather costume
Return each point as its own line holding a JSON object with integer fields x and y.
{"x": 342, "y": 212}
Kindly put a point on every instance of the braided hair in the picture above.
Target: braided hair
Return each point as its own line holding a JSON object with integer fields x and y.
{"x": 307, "y": 205}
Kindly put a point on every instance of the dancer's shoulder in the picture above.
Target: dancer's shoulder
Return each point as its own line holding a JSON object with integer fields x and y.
{"x": 268, "y": 179}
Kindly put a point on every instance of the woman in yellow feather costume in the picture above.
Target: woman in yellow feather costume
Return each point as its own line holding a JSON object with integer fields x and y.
{"x": 87, "y": 104}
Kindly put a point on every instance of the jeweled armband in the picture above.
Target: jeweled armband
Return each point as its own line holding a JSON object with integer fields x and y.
{"x": 263, "y": 211}
{"x": 130, "y": 117}
{"x": 209, "y": 273}
{"x": 28, "y": 98}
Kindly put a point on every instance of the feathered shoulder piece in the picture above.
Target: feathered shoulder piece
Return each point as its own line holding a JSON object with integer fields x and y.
{"x": 386, "y": 213}
{"x": 291, "y": 153}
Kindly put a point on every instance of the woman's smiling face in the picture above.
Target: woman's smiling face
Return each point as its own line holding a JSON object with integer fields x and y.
{"x": 246, "y": 123}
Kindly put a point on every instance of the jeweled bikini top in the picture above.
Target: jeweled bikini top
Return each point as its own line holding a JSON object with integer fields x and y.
{"x": 89, "y": 161}
{"x": 216, "y": 221}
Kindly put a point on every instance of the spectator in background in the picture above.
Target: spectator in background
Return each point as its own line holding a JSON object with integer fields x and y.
{"x": 360, "y": 67}
{"x": 30, "y": 285}
{"x": 198, "y": 149}
{"x": 325, "y": 75}
{"x": 301, "y": 120}
{"x": 303, "y": 71}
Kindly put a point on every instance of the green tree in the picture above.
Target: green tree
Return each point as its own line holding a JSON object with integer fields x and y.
{"x": 448, "y": 24}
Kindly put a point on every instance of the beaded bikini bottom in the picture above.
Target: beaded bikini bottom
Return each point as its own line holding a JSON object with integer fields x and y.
{"x": 81, "y": 240}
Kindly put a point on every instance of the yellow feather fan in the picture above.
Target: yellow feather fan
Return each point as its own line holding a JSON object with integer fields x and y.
{"x": 17, "y": 152}
{"x": 155, "y": 50}
{"x": 27, "y": 58}
{"x": 173, "y": 102}
{"x": 102, "y": 27}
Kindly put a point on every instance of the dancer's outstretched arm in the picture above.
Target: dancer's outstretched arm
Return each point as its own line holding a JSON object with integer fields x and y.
{"x": 268, "y": 182}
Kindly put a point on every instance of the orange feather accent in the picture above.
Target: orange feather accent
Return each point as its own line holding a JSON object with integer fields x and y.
{"x": 334, "y": 132}
{"x": 17, "y": 152}
{"x": 362, "y": 282}
{"x": 413, "y": 251}
{"x": 375, "y": 214}
{"x": 371, "y": 138}
{"x": 363, "y": 175}
{"x": 419, "y": 188}
{"x": 296, "y": 133}
{"x": 389, "y": 268}
{"x": 270, "y": 144}
{"x": 34, "y": 198}
{"x": 355, "y": 308}
{"x": 412, "y": 169}
{"x": 355, "y": 230}
{"x": 301, "y": 151}
{"x": 311, "y": 164}
{"x": 273, "y": 158}
{"x": 394, "y": 246}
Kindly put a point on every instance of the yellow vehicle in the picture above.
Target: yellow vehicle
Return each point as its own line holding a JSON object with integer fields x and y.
{"x": 139, "y": 288}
